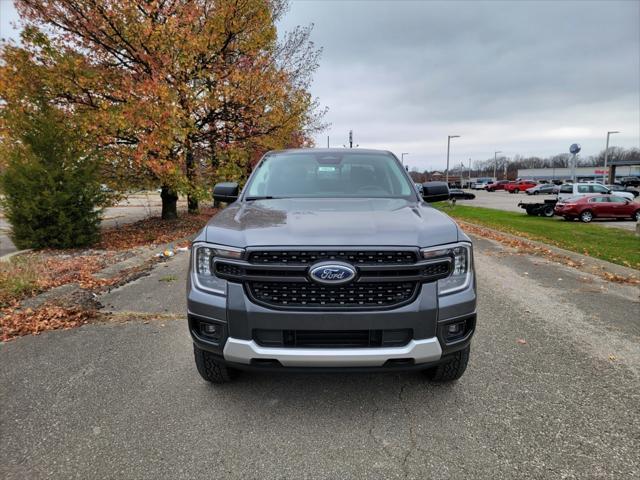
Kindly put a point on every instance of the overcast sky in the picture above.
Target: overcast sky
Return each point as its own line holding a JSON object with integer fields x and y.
{"x": 526, "y": 78}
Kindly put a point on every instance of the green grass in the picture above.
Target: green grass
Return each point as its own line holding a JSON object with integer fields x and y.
{"x": 611, "y": 244}
{"x": 18, "y": 278}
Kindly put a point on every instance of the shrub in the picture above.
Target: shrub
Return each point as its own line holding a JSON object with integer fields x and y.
{"x": 52, "y": 194}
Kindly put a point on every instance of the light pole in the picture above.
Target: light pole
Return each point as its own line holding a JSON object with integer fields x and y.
{"x": 495, "y": 163}
{"x": 402, "y": 157}
{"x": 449, "y": 137}
{"x": 606, "y": 157}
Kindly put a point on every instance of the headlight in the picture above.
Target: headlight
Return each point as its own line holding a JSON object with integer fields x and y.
{"x": 460, "y": 276}
{"x": 203, "y": 256}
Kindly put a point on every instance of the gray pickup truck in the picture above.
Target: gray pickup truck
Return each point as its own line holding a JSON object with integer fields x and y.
{"x": 330, "y": 260}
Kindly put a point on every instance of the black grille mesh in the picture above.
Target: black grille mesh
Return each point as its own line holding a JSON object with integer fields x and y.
{"x": 295, "y": 257}
{"x": 293, "y": 294}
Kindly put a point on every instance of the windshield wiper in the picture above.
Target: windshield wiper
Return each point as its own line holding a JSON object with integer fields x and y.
{"x": 264, "y": 197}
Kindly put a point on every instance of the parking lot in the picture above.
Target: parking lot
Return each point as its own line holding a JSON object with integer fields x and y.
{"x": 551, "y": 392}
{"x": 502, "y": 200}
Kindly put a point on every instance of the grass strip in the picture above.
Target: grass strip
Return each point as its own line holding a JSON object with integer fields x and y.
{"x": 611, "y": 244}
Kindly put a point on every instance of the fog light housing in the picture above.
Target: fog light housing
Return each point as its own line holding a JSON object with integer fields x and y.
{"x": 211, "y": 330}
{"x": 455, "y": 328}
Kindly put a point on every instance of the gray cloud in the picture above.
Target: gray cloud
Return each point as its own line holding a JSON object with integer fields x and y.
{"x": 522, "y": 77}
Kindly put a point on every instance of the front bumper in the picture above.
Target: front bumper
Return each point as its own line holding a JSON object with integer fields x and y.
{"x": 248, "y": 352}
{"x": 428, "y": 316}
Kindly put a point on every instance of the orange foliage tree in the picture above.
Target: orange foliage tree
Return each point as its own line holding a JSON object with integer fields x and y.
{"x": 167, "y": 87}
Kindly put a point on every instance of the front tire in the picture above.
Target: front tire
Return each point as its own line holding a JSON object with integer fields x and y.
{"x": 452, "y": 369}
{"x": 211, "y": 369}
{"x": 636, "y": 216}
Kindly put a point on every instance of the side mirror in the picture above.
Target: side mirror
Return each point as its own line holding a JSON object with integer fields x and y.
{"x": 435, "y": 191}
{"x": 225, "y": 192}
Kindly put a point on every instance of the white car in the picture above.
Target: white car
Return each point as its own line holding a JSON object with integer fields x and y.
{"x": 569, "y": 190}
{"x": 481, "y": 183}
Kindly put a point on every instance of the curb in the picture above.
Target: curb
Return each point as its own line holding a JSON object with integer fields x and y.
{"x": 6, "y": 257}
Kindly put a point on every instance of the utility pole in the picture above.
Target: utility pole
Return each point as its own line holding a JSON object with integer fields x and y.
{"x": 495, "y": 163}
{"x": 402, "y": 157}
{"x": 350, "y": 138}
{"x": 606, "y": 157}
{"x": 328, "y": 142}
{"x": 449, "y": 137}
{"x": 469, "y": 173}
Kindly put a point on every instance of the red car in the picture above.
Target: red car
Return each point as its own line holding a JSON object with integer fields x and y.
{"x": 597, "y": 206}
{"x": 499, "y": 185}
{"x": 519, "y": 186}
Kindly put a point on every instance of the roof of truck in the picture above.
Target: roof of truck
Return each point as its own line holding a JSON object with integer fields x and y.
{"x": 330, "y": 150}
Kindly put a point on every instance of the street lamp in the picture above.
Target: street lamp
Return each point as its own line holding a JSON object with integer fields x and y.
{"x": 402, "y": 157}
{"x": 495, "y": 163}
{"x": 606, "y": 157}
{"x": 449, "y": 137}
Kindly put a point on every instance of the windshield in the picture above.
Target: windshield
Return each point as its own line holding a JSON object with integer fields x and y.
{"x": 329, "y": 175}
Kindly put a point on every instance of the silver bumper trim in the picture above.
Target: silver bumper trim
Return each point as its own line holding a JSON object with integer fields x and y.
{"x": 243, "y": 351}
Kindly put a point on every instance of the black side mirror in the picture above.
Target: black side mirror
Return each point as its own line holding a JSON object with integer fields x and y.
{"x": 435, "y": 191}
{"x": 225, "y": 192}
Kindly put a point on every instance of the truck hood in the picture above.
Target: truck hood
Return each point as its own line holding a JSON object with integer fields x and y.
{"x": 329, "y": 222}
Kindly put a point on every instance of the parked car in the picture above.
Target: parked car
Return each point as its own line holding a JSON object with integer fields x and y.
{"x": 499, "y": 185}
{"x": 619, "y": 188}
{"x": 481, "y": 183}
{"x": 519, "y": 186}
{"x": 570, "y": 190}
{"x": 460, "y": 194}
{"x": 289, "y": 275}
{"x": 543, "y": 189}
{"x": 630, "y": 181}
{"x": 586, "y": 208}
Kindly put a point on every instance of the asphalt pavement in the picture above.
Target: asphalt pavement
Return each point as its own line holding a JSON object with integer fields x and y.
{"x": 552, "y": 391}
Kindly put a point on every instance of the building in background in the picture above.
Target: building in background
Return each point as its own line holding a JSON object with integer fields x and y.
{"x": 582, "y": 173}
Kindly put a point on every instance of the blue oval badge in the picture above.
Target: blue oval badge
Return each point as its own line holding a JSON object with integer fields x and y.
{"x": 332, "y": 273}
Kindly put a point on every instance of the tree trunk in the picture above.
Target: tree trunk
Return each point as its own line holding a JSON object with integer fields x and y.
{"x": 169, "y": 203}
{"x": 192, "y": 201}
{"x": 192, "y": 205}
{"x": 214, "y": 166}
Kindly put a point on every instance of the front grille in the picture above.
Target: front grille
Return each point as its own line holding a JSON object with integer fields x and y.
{"x": 307, "y": 295}
{"x": 332, "y": 338}
{"x": 356, "y": 257}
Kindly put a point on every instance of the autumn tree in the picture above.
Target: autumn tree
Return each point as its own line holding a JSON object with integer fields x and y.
{"x": 166, "y": 88}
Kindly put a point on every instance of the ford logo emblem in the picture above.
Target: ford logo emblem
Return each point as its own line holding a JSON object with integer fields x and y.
{"x": 332, "y": 273}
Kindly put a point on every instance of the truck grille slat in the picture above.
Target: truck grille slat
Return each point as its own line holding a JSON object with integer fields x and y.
{"x": 307, "y": 295}
{"x": 356, "y": 257}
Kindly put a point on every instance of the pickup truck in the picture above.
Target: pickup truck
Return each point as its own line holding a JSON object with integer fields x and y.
{"x": 330, "y": 260}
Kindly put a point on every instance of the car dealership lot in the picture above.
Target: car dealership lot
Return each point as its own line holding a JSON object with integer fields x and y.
{"x": 502, "y": 200}
{"x": 551, "y": 392}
